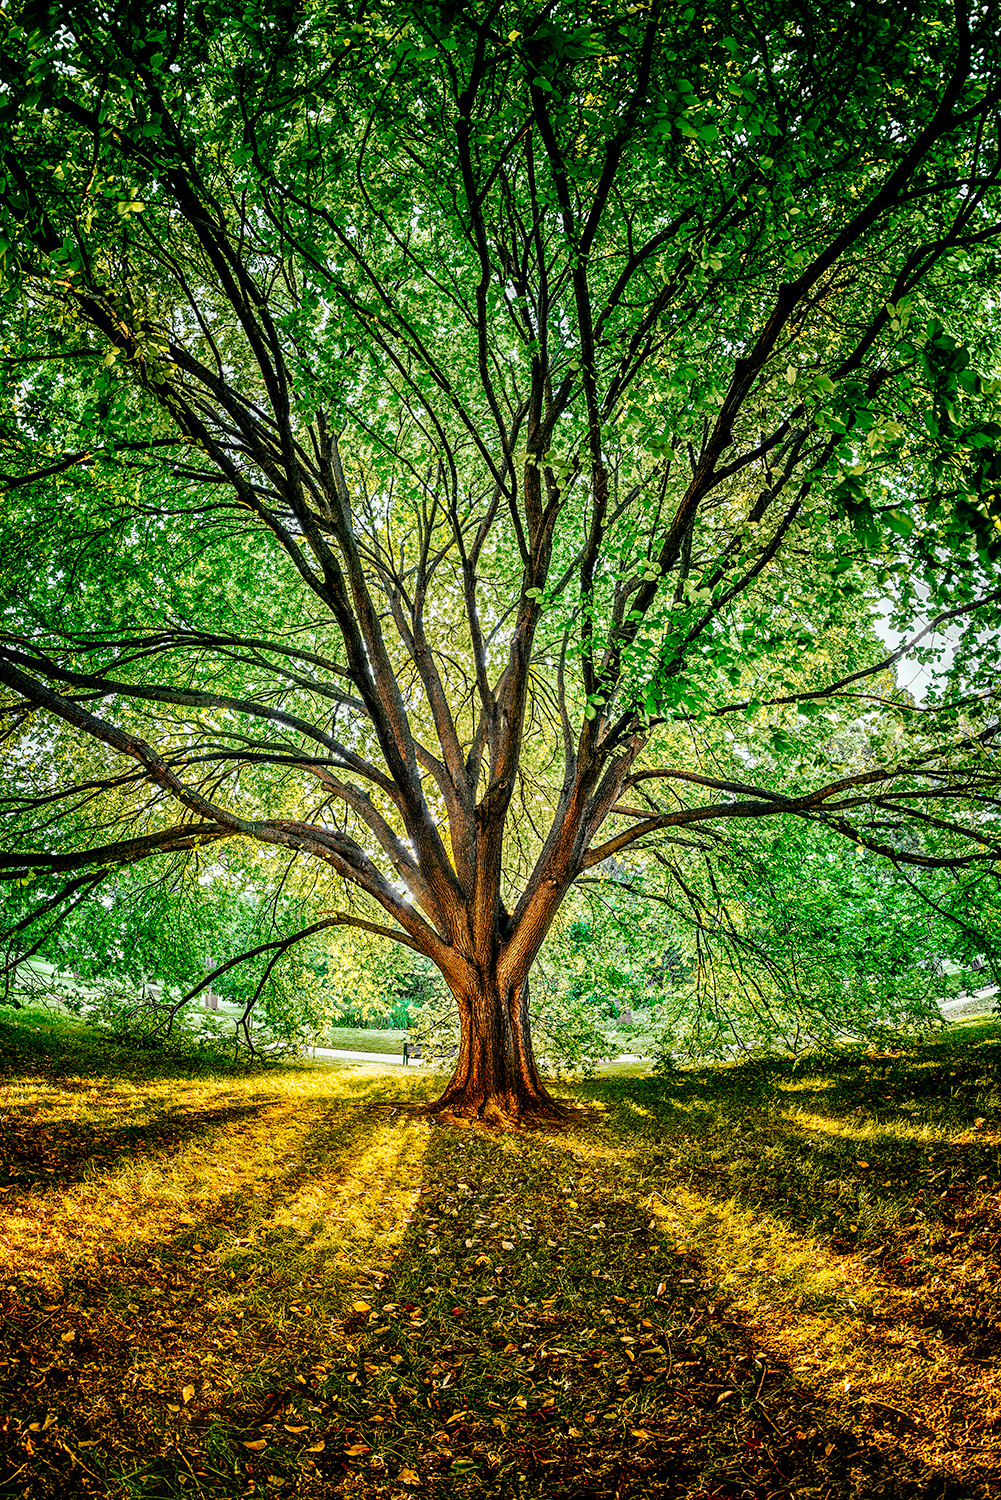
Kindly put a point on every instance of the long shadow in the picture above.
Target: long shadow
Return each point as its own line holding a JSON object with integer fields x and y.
{"x": 58, "y": 1154}
{"x": 668, "y": 1424}
{"x": 35, "y": 1152}
{"x": 138, "y": 1307}
{"x": 392, "y": 1388}
{"x": 822, "y": 1182}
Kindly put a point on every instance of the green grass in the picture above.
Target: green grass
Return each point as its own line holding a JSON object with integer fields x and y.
{"x": 358, "y": 1039}
{"x": 750, "y": 1281}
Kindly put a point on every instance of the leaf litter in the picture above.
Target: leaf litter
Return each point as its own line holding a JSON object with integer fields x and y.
{"x": 295, "y": 1298}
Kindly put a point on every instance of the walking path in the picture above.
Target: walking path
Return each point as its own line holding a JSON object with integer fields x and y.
{"x": 394, "y": 1061}
{"x": 979, "y": 1003}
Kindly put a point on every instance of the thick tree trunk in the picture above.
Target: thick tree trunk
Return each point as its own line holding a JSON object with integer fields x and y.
{"x": 496, "y": 1079}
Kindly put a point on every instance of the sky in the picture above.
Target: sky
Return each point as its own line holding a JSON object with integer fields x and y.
{"x": 911, "y": 674}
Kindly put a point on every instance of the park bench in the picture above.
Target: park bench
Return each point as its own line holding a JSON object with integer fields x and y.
{"x": 412, "y": 1051}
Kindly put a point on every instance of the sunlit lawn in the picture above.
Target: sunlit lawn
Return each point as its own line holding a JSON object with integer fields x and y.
{"x": 360, "y": 1039}
{"x": 753, "y": 1281}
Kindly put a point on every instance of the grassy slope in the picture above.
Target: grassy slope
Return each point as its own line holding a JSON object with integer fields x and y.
{"x": 357, "y": 1039}
{"x": 750, "y": 1281}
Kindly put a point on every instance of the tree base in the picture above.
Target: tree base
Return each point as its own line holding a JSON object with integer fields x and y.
{"x": 491, "y": 1114}
{"x": 465, "y": 1108}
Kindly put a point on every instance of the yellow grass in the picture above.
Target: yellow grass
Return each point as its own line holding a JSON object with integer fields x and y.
{"x": 751, "y": 1282}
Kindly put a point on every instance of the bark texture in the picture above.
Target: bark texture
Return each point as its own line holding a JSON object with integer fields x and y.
{"x": 496, "y": 1079}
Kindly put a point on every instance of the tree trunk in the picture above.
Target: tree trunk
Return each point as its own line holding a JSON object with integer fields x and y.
{"x": 496, "y": 1079}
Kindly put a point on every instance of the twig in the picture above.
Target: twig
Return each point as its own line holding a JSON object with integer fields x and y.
{"x": 777, "y": 1430}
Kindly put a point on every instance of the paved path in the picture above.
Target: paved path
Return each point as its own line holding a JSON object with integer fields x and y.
{"x": 387, "y": 1057}
{"x": 980, "y": 1003}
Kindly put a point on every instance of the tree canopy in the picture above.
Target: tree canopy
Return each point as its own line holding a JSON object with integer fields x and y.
{"x": 455, "y": 447}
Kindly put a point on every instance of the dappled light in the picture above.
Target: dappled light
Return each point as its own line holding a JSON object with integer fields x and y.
{"x": 740, "y": 1280}
{"x": 500, "y": 701}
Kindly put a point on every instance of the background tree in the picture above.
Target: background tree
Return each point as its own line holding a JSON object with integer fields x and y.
{"x": 424, "y": 423}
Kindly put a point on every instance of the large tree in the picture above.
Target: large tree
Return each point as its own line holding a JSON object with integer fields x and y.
{"x": 456, "y": 444}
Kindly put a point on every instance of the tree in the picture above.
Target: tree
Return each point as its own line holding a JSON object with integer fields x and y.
{"x": 432, "y": 430}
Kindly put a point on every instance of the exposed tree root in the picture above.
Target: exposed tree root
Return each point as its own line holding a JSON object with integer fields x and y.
{"x": 493, "y": 1114}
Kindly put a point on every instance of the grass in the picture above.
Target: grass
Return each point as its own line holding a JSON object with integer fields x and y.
{"x": 753, "y": 1281}
{"x": 359, "y": 1039}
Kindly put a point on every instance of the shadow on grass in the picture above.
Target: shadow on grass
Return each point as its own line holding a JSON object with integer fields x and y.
{"x": 41, "y": 1153}
{"x": 601, "y": 1320}
{"x": 529, "y": 1332}
{"x": 799, "y": 1138}
{"x": 108, "y": 1361}
{"x": 65, "y": 1049}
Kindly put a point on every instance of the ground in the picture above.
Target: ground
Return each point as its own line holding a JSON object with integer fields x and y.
{"x": 751, "y": 1281}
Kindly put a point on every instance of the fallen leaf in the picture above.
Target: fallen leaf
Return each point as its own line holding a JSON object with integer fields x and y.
{"x": 187, "y": 1393}
{"x": 297, "y": 1430}
{"x": 257, "y": 1445}
{"x": 317, "y": 1447}
{"x": 67, "y": 1338}
{"x": 407, "y": 1476}
{"x": 361, "y": 1307}
{"x": 354, "y": 1450}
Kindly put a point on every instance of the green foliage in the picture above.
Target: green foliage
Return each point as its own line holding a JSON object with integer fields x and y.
{"x": 369, "y": 982}
{"x": 448, "y": 449}
{"x": 781, "y": 945}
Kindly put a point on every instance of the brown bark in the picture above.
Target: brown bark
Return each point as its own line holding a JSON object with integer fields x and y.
{"x": 496, "y": 1079}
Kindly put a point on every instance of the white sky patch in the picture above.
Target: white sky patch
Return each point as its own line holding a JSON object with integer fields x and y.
{"x": 912, "y": 674}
